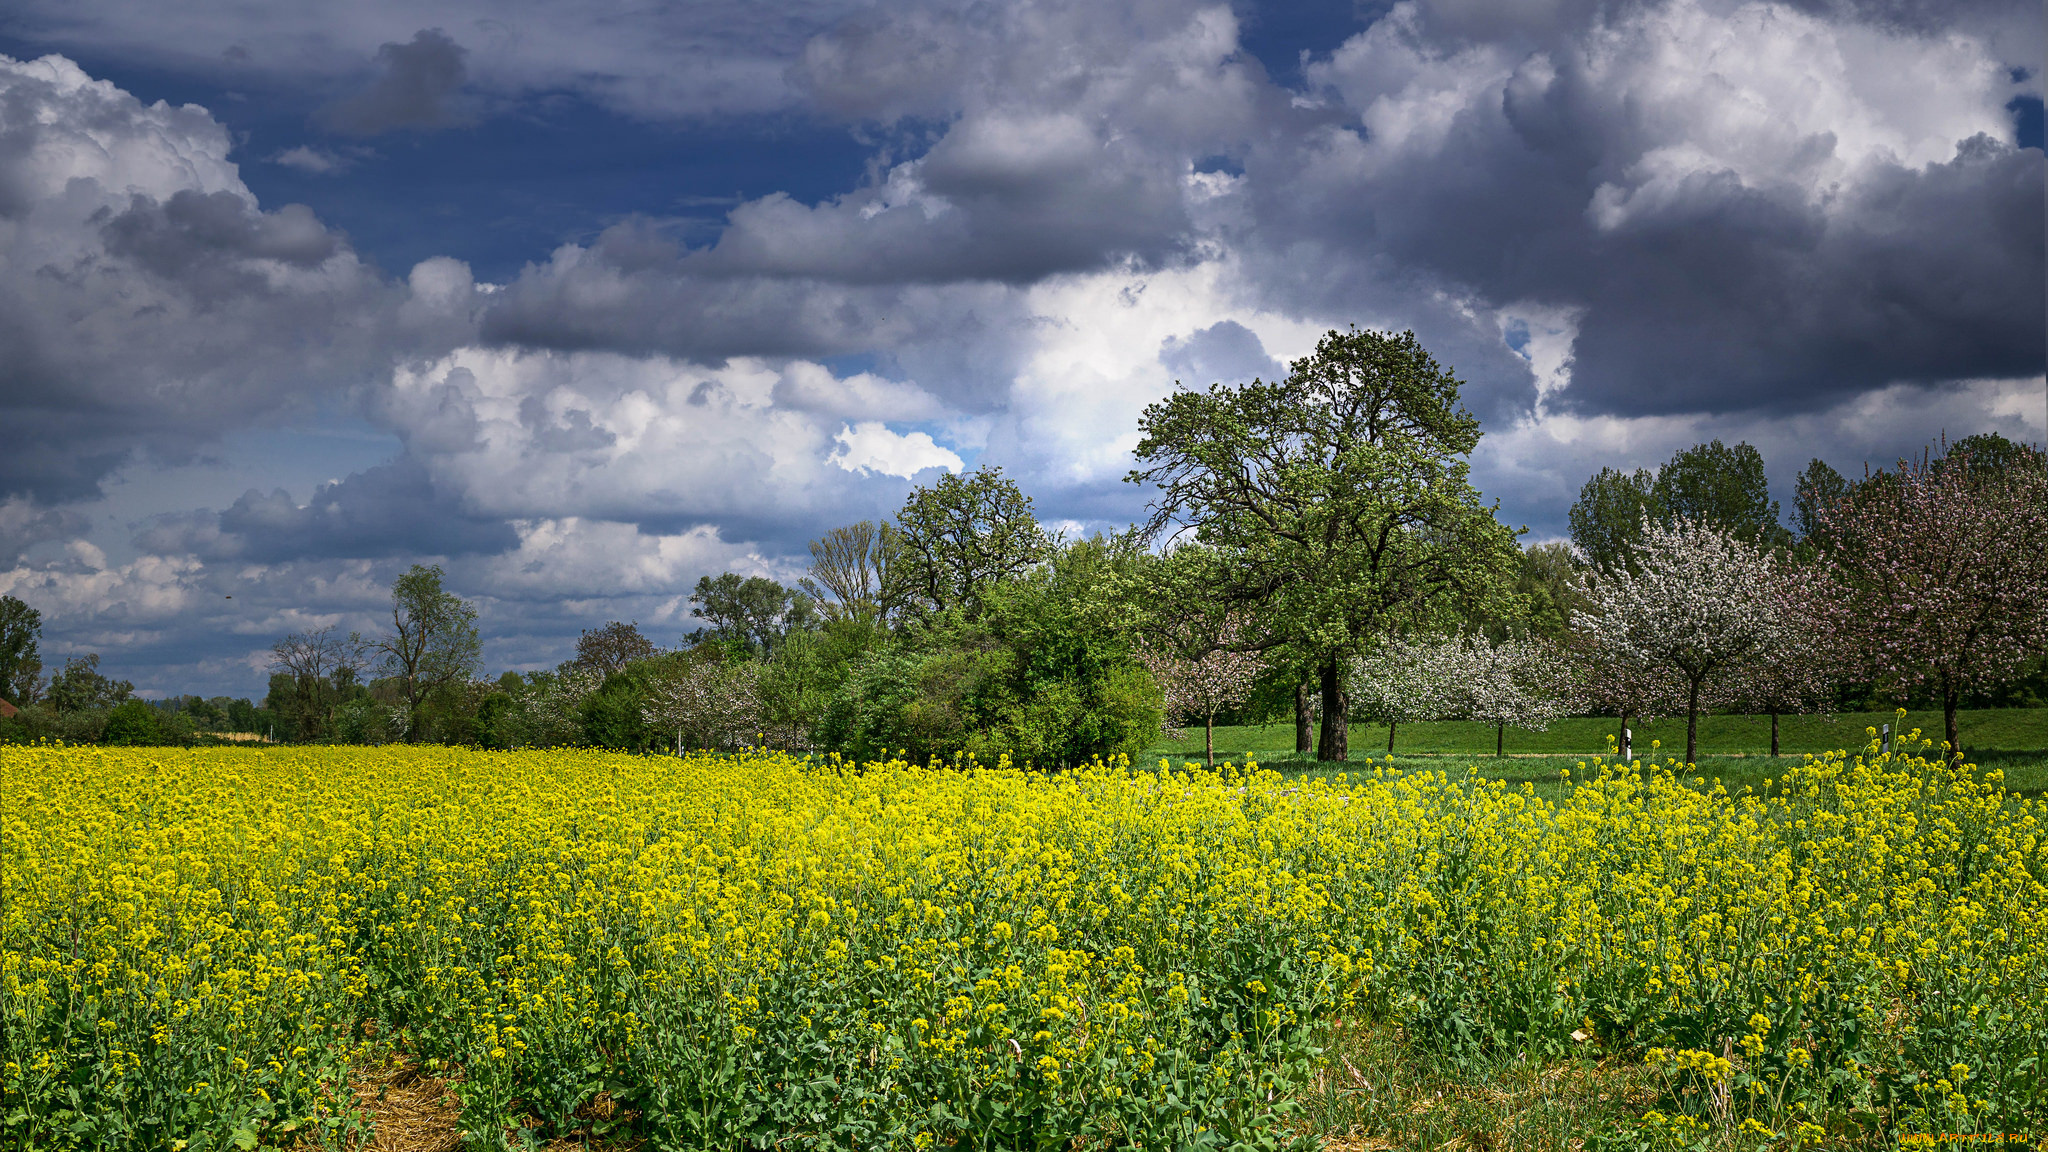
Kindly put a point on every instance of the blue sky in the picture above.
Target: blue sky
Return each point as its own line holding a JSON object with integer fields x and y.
{"x": 583, "y": 305}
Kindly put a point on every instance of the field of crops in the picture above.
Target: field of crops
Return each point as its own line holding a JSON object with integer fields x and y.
{"x": 744, "y": 952}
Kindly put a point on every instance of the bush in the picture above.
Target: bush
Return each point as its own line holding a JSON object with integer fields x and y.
{"x": 133, "y": 722}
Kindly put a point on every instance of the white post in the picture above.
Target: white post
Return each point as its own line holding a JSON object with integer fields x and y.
{"x": 1886, "y": 731}
{"x": 1627, "y": 741}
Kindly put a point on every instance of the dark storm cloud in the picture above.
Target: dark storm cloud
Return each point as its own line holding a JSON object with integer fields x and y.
{"x": 392, "y": 510}
{"x": 1748, "y": 301}
{"x": 636, "y": 291}
{"x": 1783, "y": 271}
{"x": 416, "y": 88}
{"x": 1075, "y": 206}
{"x": 1064, "y": 150}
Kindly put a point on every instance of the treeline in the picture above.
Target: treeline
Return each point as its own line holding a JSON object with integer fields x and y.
{"x": 79, "y": 704}
{"x": 1314, "y": 549}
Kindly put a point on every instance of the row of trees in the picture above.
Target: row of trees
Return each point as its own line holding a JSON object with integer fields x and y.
{"x": 1927, "y": 583}
{"x": 81, "y": 704}
{"x": 1312, "y": 544}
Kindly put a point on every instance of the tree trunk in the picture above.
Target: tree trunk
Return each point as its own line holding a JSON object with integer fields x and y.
{"x": 1390, "y": 737}
{"x": 1948, "y": 724}
{"x": 1209, "y": 739}
{"x": 1303, "y": 742}
{"x": 1334, "y": 743}
{"x": 1500, "y": 742}
{"x": 1774, "y": 733}
{"x": 1692, "y": 722}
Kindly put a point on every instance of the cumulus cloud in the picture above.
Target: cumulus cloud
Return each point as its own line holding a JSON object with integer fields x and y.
{"x": 146, "y": 300}
{"x": 1745, "y": 205}
{"x": 654, "y": 441}
{"x": 870, "y": 446}
{"x": 1224, "y": 352}
{"x": 23, "y": 526}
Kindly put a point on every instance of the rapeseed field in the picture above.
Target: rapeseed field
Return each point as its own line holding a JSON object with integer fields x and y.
{"x": 763, "y": 950}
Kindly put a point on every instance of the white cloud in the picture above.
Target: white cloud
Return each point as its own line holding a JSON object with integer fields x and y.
{"x": 603, "y": 560}
{"x": 1773, "y": 96}
{"x": 552, "y": 435}
{"x": 870, "y": 446}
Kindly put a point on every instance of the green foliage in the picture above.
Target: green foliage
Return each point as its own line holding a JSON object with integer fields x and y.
{"x": 1071, "y": 688}
{"x": 904, "y": 697}
{"x": 1043, "y": 674}
{"x": 1722, "y": 486}
{"x": 433, "y": 642}
{"x": 796, "y": 685}
{"x": 21, "y": 666}
{"x": 855, "y": 576}
{"x": 608, "y": 649}
{"x": 81, "y": 686}
{"x": 1607, "y": 518}
{"x": 131, "y": 722}
{"x": 1989, "y": 456}
{"x": 1819, "y": 487}
{"x": 493, "y": 723}
{"x": 1708, "y": 483}
{"x": 752, "y": 612}
{"x": 1546, "y": 593}
{"x": 1339, "y": 497}
{"x": 963, "y": 536}
{"x": 611, "y": 715}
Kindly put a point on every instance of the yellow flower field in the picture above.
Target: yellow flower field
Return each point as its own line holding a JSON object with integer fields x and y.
{"x": 745, "y": 951}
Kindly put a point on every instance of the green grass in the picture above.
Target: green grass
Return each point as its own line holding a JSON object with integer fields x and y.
{"x": 1733, "y": 749}
{"x": 1377, "y": 1093}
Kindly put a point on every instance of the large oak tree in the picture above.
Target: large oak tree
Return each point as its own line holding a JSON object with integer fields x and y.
{"x": 1340, "y": 497}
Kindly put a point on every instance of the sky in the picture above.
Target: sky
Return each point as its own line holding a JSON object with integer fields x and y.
{"x": 583, "y": 302}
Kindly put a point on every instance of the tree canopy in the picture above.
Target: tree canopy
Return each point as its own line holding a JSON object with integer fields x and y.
{"x": 1709, "y": 483}
{"x": 854, "y": 574}
{"x": 433, "y": 642}
{"x": 1941, "y": 574}
{"x": 1339, "y": 496}
{"x": 752, "y": 612}
{"x": 963, "y": 535}
{"x": 609, "y": 649}
{"x": 21, "y": 665}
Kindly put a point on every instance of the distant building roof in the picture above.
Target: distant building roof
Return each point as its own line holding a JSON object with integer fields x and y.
{"x": 8, "y": 710}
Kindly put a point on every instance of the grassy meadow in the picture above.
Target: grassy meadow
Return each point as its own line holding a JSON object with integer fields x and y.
{"x": 1733, "y": 748}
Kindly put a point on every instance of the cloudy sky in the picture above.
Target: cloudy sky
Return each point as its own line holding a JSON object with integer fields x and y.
{"x": 583, "y": 301}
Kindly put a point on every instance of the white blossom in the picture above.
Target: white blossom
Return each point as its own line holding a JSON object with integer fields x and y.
{"x": 708, "y": 703}
{"x": 1701, "y": 603}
